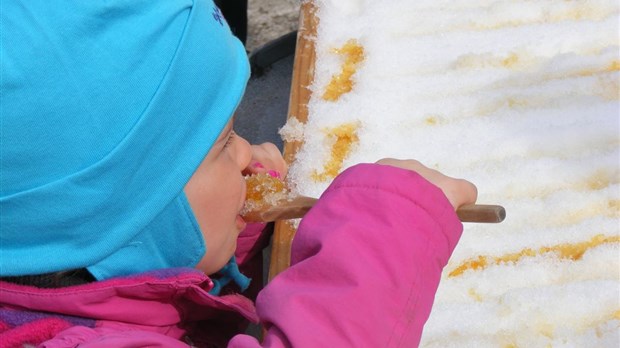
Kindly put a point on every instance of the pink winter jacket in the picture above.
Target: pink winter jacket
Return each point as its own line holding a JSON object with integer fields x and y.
{"x": 366, "y": 262}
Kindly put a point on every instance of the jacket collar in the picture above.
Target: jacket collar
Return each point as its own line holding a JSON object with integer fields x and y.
{"x": 161, "y": 298}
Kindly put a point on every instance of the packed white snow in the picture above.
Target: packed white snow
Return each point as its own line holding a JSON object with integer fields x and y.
{"x": 519, "y": 97}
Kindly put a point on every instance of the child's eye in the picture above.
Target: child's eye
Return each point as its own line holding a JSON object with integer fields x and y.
{"x": 231, "y": 138}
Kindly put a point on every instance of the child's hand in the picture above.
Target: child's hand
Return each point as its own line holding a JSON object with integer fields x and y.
{"x": 267, "y": 158}
{"x": 458, "y": 191}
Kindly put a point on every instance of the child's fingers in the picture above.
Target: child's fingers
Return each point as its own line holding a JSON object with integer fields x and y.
{"x": 458, "y": 191}
{"x": 266, "y": 158}
{"x": 255, "y": 167}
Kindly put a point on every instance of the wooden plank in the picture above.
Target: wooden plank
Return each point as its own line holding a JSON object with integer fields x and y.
{"x": 303, "y": 75}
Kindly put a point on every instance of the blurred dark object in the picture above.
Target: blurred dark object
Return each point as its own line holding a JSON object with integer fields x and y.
{"x": 263, "y": 58}
{"x": 264, "y": 107}
{"x": 236, "y": 14}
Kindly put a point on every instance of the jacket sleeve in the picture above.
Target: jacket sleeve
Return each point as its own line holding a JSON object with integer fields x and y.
{"x": 366, "y": 262}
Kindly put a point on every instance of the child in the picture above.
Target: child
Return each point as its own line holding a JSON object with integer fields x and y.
{"x": 122, "y": 186}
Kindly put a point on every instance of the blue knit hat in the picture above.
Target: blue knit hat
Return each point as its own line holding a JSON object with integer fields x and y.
{"x": 107, "y": 109}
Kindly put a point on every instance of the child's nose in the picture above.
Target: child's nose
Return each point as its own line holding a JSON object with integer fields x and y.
{"x": 244, "y": 153}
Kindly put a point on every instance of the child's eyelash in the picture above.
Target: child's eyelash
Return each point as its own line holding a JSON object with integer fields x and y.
{"x": 230, "y": 139}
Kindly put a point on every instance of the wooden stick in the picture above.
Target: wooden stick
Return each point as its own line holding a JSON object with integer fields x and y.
{"x": 299, "y": 206}
{"x": 481, "y": 213}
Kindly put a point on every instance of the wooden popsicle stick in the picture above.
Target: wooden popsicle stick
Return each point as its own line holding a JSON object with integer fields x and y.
{"x": 285, "y": 210}
{"x": 300, "y": 205}
{"x": 481, "y": 213}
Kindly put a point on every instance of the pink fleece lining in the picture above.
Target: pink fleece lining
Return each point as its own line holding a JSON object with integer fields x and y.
{"x": 33, "y": 332}
{"x": 4, "y": 326}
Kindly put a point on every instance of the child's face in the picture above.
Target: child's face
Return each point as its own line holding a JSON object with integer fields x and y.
{"x": 216, "y": 193}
